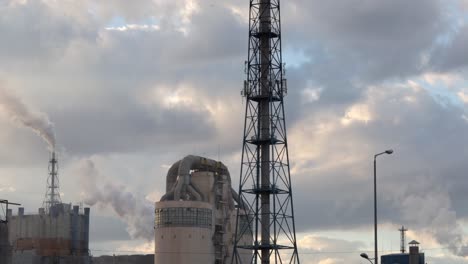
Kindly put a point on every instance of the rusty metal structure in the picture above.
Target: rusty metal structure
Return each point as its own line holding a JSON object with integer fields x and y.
{"x": 62, "y": 232}
{"x": 265, "y": 182}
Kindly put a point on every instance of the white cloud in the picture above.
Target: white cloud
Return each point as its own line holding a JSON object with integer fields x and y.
{"x": 331, "y": 261}
{"x": 463, "y": 96}
{"x": 312, "y": 94}
{"x": 7, "y": 189}
{"x": 446, "y": 79}
{"x": 130, "y": 27}
{"x": 357, "y": 113}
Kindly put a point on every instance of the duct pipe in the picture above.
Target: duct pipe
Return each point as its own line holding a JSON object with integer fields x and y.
{"x": 171, "y": 177}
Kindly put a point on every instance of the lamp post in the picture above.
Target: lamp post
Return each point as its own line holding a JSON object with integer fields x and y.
{"x": 376, "y": 256}
{"x": 365, "y": 256}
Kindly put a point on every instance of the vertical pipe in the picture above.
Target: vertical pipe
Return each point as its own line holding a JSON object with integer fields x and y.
{"x": 86, "y": 231}
{"x": 376, "y": 255}
{"x": 52, "y": 173}
{"x": 76, "y": 250}
{"x": 264, "y": 119}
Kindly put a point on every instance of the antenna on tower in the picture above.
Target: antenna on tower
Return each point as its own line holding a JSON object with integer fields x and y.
{"x": 265, "y": 230}
{"x": 52, "y": 196}
{"x": 402, "y": 231}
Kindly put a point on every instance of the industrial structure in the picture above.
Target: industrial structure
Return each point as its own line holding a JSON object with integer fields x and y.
{"x": 5, "y": 246}
{"x": 52, "y": 196}
{"x": 402, "y": 239}
{"x": 57, "y": 233}
{"x": 265, "y": 182}
{"x": 413, "y": 257}
{"x": 195, "y": 220}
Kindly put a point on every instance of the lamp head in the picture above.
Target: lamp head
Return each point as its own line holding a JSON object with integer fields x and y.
{"x": 390, "y": 151}
{"x": 364, "y": 255}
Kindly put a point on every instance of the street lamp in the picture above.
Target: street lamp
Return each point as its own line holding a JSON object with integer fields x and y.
{"x": 376, "y": 256}
{"x": 364, "y": 255}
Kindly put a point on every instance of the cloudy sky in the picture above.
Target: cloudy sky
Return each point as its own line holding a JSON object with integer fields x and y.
{"x": 129, "y": 87}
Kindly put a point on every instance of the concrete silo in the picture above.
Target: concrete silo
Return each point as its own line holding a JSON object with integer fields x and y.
{"x": 196, "y": 218}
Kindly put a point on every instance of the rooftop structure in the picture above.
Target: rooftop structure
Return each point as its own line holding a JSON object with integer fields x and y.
{"x": 413, "y": 257}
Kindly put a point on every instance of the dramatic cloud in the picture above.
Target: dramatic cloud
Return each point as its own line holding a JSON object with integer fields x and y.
{"x": 141, "y": 84}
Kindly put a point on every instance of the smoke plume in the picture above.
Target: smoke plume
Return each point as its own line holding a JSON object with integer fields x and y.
{"x": 431, "y": 209}
{"x": 23, "y": 115}
{"x": 136, "y": 212}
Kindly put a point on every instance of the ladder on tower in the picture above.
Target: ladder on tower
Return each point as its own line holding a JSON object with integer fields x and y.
{"x": 221, "y": 223}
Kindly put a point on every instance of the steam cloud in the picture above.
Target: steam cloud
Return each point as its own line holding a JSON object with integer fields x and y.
{"x": 136, "y": 212}
{"x": 22, "y": 114}
{"x": 432, "y": 209}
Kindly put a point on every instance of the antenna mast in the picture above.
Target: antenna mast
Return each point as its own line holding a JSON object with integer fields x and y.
{"x": 265, "y": 182}
{"x": 402, "y": 241}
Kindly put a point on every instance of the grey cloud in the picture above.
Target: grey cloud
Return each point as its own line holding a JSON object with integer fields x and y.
{"x": 417, "y": 184}
{"x": 117, "y": 129}
{"x": 452, "y": 55}
{"x": 384, "y": 39}
{"x": 34, "y": 33}
{"x": 96, "y": 75}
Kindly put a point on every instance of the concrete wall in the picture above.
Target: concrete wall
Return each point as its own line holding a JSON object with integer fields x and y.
{"x": 177, "y": 244}
{"x": 61, "y": 232}
{"x": 133, "y": 259}
{"x": 30, "y": 257}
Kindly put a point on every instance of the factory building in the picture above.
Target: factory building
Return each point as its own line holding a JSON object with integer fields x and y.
{"x": 195, "y": 221}
{"x": 59, "y": 236}
{"x": 413, "y": 257}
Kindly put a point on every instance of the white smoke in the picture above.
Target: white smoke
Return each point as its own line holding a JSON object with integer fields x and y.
{"x": 19, "y": 112}
{"x": 431, "y": 209}
{"x": 137, "y": 212}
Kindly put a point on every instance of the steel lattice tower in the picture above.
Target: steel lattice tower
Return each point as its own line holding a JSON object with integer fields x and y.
{"x": 266, "y": 211}
{"x": 52, "y": 196}
{"x": 402, "y": 238}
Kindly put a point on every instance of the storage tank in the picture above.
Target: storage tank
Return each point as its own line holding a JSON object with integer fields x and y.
{"x": 195, "y": 220}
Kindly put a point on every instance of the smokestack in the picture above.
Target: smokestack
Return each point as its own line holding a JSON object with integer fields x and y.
{"x": 52, "y": 197}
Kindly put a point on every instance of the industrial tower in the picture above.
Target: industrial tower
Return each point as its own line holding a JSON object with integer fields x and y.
{"x": 265, "y": 182}
{"x": 52, "y": 196}
{"x": 402, "y": 238}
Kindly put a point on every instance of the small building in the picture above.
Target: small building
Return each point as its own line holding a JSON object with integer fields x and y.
{"x": 413, "y": 257}
{"x": 60, "y": 235}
